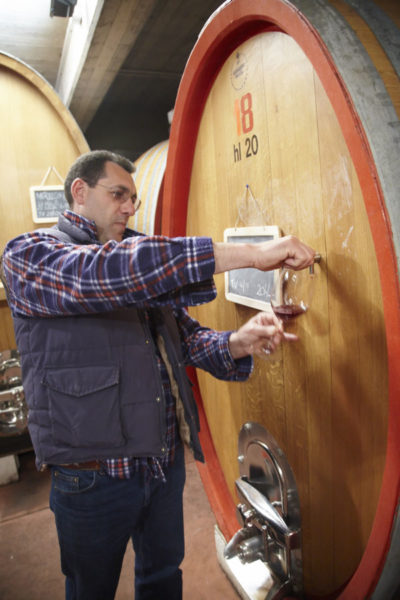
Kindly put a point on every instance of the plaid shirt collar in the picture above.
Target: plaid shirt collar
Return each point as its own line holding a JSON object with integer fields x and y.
{"x": 89, "y": 227}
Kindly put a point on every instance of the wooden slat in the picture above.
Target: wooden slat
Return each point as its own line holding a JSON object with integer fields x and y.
{"x": 149, "y": 176}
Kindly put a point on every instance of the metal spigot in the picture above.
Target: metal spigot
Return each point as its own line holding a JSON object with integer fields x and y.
{"x": 317, "y": 259}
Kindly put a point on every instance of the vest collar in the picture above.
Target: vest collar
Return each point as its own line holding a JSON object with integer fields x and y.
{"x": 82, "y": 230}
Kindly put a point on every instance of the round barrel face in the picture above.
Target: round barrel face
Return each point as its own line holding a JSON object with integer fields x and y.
{"x": 270, "y": 151}
{"x": 39, "y": 141}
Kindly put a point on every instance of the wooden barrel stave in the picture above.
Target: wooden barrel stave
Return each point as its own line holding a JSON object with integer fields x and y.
{"x": 149, "y": 176}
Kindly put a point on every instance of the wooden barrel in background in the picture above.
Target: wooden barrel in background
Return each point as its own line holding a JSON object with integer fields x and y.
{"x": 39, "y": 136}
{"x": 298, "y": 100}
{"x": 149, "y": 178}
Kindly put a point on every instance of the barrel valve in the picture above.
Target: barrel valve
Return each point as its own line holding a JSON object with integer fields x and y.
{"x": 268, "y": 512}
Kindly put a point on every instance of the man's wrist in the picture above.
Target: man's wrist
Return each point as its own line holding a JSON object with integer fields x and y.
{"x": 230, "y": 256}
{"x": 236, "y": 347}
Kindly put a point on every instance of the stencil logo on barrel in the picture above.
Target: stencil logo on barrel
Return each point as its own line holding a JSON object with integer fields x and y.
{"x": 239, "y": 71}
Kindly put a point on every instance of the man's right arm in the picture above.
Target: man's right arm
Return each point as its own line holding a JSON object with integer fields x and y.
{"x": 47, "y": 277}
{"x": 287, "y": 251}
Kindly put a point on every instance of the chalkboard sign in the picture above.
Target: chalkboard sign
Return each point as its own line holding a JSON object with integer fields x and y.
{"x": 251, "y": 287}
{"x": 48, "y": 202}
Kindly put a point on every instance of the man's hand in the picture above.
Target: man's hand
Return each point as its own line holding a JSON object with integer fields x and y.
{"x": 261, "y": 335}
{"x": 287, "y": 251}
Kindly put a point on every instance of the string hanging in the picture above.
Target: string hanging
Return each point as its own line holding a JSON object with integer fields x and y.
{"x": 49, "y": 170}
{"x": 249, "y": 209}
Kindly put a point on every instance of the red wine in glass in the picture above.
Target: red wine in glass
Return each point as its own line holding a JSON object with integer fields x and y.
{"x": 293, "y": 292}
{"x": 288, "y": 312}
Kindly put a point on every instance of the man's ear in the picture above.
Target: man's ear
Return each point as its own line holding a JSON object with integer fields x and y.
{"x": 79, "y": 191}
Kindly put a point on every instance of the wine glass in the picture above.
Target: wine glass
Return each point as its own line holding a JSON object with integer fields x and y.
{"x": 293, "y": 293}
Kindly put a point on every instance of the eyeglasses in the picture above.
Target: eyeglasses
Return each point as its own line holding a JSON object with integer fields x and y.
{"x": 122, "y": 195}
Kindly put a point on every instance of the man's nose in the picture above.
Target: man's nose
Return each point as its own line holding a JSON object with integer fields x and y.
{"x": 127, "y": 207}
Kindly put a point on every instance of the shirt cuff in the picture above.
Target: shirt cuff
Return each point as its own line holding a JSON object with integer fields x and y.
{"x": 242, "y": 366}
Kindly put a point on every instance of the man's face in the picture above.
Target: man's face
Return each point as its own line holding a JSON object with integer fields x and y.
{"x": 109, "y": 211}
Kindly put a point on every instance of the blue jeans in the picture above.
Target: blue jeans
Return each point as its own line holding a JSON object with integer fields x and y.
{"x": 95, "y": 517}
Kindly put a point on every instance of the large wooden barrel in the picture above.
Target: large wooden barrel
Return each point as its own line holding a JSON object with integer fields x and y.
{"x": 149, "y": 179}
{"x": 39, "y": 141}
{"x": 301, "y": 100}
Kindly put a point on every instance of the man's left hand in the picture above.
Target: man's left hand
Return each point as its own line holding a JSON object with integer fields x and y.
{"x": 261, "y": 335}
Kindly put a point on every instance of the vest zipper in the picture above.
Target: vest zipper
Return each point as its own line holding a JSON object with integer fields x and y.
{"x": 160, "y": 399}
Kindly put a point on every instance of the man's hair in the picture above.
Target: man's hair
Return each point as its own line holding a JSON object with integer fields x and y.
{"x": 91, "y": 167}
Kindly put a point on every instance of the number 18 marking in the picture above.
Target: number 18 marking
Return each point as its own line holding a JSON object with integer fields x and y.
{"x": 244, "y": 114}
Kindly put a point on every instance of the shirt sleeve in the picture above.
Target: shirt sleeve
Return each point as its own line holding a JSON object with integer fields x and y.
{"x": 208, "y": 349}
{"x": 47, "y": 277}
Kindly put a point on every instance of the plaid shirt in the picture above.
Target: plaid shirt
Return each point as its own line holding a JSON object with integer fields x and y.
{"x": 46, "y": 277}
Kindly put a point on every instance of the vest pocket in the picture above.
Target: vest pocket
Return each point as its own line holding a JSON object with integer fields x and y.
{"x": 84, "y": 406}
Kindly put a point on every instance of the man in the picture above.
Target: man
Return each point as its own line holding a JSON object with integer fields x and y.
{"x": 103, "y": 335}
